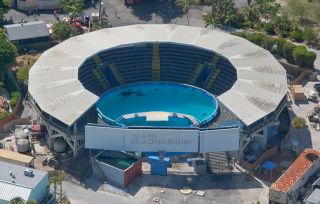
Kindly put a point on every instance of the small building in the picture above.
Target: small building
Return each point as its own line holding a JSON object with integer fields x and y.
{"x": 287, "y": 188}
{"x": 298, "y": 93}
{"x": 29, "y": 35}
{"x": 118, "y": 168}
{"x": 17, "y": 181}
{"x": 16, "y": 158}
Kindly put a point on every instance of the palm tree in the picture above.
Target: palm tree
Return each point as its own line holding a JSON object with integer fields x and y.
{"x": 74, "y": 7}
{"x": 61, "y": 31}
{"x": 229, "y": 17}
{"x": 17, "y": 200}
{"x": 57, "y": 180}
{"x": 298, "y": 123}
{"x": 209, "y": 20}
{"x": 185, "y": 5}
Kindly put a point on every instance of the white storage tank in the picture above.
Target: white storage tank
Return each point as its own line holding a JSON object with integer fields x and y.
{"x": 59, "y": 145}
{"x": 23, "y": 145}
{"x": 21, "y": 134}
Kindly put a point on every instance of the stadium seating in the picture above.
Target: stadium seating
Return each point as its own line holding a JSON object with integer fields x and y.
{"x": 171, "y": 62}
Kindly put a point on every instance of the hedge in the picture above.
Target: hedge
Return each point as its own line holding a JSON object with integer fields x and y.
{"x": 287, "y": 51}
{"x": 302, "y": 57}
{"x": 14, "y": 99}
{"x": 294, "y": 54}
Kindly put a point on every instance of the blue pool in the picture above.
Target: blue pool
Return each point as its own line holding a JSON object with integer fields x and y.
{"x": 157, "y": 104}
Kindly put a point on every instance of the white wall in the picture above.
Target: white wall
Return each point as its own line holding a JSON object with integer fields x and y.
{"x": 168, "y": 140}
{"x": 219, "y": 140}
{"x": 104, "y": 138}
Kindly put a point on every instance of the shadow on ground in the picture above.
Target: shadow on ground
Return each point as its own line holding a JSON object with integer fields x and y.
{"x": 166, "y": 9}
{"x": 206, "y": 182}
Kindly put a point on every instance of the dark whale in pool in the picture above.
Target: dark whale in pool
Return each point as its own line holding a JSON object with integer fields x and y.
{"x": 130, "y": 93}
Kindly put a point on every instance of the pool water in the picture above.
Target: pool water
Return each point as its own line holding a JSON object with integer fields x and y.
{"x": 120, "y": 163}
{"x": 157, "y": 97}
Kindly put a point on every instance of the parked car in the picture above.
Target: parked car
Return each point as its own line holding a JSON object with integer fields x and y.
{"x": 313, "y": 95}
{"x": 316, "y": 87}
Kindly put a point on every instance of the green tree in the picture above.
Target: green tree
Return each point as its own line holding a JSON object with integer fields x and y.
{"x": 185, "y": 6}
{"x": 222, "y": 11}
{"x": 8, "y": 53}
{"x": 251, "y": 14}
{"x": 73, "y": 7}
{"x": 17, "y": 200}
{"x": 56, "y": 180}
{"x": 298, "y": 8}
{"x": 209, "y": 20}
{"x": 269, "y": 9}
{"x": 4, "y": 7}
{"x": 298, "y": 123}
{"x": 61, "y": 31}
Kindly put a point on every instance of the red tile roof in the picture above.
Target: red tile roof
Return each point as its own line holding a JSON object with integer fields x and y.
{"x": 299, "y": 167}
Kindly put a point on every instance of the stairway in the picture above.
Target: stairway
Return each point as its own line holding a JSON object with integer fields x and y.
{"x": 100, "y": 79}
{"x": 218, "y": 162}
{"x": 116, "y": 73}
{"x": 196, "y": 73}
{"x": 155, "y": 62}
{"x": 211, "y": 78}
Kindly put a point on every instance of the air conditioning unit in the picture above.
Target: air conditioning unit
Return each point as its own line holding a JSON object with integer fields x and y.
{"x": 28, "y": 172}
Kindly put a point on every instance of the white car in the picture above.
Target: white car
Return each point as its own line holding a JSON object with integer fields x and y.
{"x": 312, "y": 95}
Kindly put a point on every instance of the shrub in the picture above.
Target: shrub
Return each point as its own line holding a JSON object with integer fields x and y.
{"x": 241, "y": 34}
{"x": 280, "y": 43}
{"x": 287, "y": 51}
{"x": 303, "y": 57}
{"x": 256, "y": 38}
{"x": 14, "y": 99}
{"x": 269, "y": 43}
{"x": 296, "y": 35}
{"x": 269, "y": 29}
{"x": 309, "y": 59}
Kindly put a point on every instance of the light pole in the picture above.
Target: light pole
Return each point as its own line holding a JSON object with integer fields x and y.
{"x": 100, "y": 4}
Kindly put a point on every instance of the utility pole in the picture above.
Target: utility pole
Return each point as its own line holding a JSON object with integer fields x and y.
{"x": 100, "y": 4}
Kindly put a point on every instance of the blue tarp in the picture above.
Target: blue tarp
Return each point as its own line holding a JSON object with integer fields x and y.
{"x": 269, "y": 165}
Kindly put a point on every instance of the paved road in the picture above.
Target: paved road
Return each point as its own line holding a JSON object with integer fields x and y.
{"x": 79, "y": 195}
{"x": 152, "y": 11}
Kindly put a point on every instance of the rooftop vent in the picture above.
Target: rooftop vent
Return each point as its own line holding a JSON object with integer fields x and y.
{"x": 28, "y": 172}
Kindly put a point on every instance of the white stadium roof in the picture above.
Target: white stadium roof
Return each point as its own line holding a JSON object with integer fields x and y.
{"x": 54, "y": 85}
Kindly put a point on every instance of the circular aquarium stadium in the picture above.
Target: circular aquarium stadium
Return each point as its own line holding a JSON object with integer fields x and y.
{"x": 157, "y": 76}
